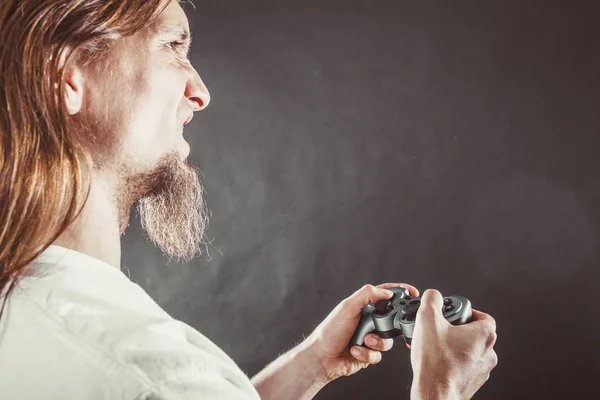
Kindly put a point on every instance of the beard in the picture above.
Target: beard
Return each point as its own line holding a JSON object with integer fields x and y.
{"x": 172, "y": 208}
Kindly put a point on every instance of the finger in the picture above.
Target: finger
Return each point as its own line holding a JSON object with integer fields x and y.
{"x": 493, "y": 360}
{"x": 492, "y": 338}
{"x": 376, "y": 343}
{"x": 480, "y": 315}
{"x": 413, "y": 291}
{"x": 431, "y": 307}
{"x": 484, "y": 319}
{"x": 354, "y": 304}
{"x": 366, "y": 355}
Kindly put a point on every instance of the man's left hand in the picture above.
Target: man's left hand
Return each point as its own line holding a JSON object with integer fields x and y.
{"x": 329, "y": 341}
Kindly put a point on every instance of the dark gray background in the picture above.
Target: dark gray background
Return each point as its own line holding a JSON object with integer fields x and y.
{"x": 446, "y": 144}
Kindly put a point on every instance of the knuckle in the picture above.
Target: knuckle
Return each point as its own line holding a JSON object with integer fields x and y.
{"x": 486, "y": 378}
{"x": 426, "y": 310}
{"x": 490, "y": 325}
{"x": 426, "y": 304}
{"x": 494, "y": 360}
{"x": 358, "y": 354}
{"x": 368, "y": 287}
{"x": 345, "y": 306}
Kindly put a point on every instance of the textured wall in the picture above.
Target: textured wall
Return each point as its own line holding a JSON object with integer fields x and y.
{"x": 446, "y": 144}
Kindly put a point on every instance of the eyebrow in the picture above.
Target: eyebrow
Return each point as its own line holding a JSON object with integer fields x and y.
{"x": 183, "y": 33}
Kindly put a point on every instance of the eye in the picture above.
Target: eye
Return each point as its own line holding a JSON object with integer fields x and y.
{"x": 182, "y": 48}
{"x": 174, "y": 45}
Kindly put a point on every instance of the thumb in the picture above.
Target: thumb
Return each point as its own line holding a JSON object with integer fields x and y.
{"x": 430, "y": 310}
{"x": 354, "y": 304}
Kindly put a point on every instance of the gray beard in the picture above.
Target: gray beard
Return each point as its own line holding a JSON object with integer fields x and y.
{"x": 173, "y": 211}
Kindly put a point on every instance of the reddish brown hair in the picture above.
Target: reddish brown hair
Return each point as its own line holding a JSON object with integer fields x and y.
{"x": 45, "y": 170}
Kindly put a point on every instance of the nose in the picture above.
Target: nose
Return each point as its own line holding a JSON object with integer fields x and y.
{"x": 196, "y": 91}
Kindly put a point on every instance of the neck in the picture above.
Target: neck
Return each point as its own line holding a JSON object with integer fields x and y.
{"x": 97, "y": 231}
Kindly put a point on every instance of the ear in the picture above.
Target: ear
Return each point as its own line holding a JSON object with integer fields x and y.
{"x": 73, "y": 77}
{"x": 73, "y": 89}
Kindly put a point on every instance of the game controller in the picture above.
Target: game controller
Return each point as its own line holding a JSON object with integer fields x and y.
{"x": 396, "y": 316}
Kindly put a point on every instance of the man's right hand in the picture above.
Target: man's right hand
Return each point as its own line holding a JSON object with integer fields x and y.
{"x": 450, "y": 362}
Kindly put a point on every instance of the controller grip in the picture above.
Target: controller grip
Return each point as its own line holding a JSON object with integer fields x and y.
{"x": 466, "y": 316}
{"x": 365, "y": 326}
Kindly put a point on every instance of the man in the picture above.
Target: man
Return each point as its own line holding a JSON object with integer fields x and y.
{"x": 96, "y": 94}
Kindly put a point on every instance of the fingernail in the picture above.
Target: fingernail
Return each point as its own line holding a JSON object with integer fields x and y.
{"x": 386, "y": 292}
{"x": 371, "y": 341}
{"x": 355, "y": 353}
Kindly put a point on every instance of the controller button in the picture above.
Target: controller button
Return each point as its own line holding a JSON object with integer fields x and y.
{"x": 448, "y": 308}
{"x": 407, "y": 297}
{"x": 402, "y": 302}
{"x": 447, "y": 301}
{"x": 411, "y": 309}
{"x": 415, "y": 301}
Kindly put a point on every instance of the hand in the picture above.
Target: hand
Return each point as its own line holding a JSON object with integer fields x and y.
{"x": 450, "y": 361}
{"x": 329, "y": 341}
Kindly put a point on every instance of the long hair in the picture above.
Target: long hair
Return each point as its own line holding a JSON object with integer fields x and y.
{"x": 45, "y": 169}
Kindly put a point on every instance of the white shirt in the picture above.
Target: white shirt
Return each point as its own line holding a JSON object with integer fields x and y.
{"x": 79, "y": 329}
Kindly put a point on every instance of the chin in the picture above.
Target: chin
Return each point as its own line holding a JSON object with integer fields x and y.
{"x": 174, "y": 213}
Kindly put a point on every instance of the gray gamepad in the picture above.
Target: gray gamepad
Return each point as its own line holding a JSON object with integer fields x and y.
{"x": 396, "y": 316}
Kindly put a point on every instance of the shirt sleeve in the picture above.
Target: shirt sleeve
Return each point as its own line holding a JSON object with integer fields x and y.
{"x": 204, "y": 388}
{"x": 176, "y": 362}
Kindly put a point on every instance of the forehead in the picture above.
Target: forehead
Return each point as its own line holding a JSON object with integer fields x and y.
{"x": 171, "y": 20}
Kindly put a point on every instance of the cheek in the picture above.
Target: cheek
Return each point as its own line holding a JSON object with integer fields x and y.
{"x": 155, "y": 121}
{"x": 158, "y": 96}
{"x": 106, "y": 117}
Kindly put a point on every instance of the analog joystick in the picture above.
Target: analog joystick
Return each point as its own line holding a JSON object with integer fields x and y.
{"x": 382, "y": 307}
{"x": 410, "y": 310}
